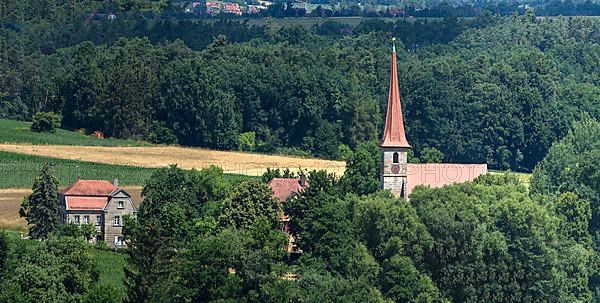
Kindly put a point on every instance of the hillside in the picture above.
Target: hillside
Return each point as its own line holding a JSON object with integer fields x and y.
{"x": 12, "y": 131}
{"x": 75, "y": 148}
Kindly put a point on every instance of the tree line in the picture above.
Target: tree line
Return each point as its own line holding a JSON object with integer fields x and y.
{"x": 200, "y": 238}
{"x": 487, "y": 90}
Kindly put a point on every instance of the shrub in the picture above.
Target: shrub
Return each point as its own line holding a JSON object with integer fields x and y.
{"x": 247, "y": 141}
{"x": 160, "y": 134}
{"x": 45, "y": 122}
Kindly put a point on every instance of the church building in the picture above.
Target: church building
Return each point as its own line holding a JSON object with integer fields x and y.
{"x": 401, "y": 177}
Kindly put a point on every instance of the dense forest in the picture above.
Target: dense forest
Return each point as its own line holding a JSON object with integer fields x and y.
{"x": 201, "y": 238}
{"x": 487, "y": 89}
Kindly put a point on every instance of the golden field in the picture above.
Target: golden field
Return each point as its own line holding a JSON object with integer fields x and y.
{"x": 188, "y": 158}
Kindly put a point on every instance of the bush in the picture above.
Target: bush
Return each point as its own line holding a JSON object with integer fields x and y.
{"x": 247, "y": 141}
{"x": 160, "y": 134}
{"x": 44, "y": 122}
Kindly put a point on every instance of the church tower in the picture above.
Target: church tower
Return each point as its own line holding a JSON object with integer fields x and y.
{"x": 394, "y": 146}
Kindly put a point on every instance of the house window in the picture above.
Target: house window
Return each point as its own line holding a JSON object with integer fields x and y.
{"x": 76, "y": 219}
{"x": 117, "y": 221}
{"x": 118, "y": 240}
{"x": 395, "y": 157}
{"x": 86, "y": 219}
{"x": 120, "y": 204}
{"x": 98, "y": 220}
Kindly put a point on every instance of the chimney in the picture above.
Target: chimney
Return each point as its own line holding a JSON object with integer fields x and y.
{"x": 116, "y": 182}
{"x": 302, "y": 180}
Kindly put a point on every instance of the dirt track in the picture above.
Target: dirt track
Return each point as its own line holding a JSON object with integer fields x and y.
{"x": 231, "y": 162}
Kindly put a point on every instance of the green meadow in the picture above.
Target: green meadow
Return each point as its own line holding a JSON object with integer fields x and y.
{"x": 12, "y": 131}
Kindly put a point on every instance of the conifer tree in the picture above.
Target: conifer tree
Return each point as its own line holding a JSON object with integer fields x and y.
{"x": 42, "y": 205}
{"x": 150, "y": 257}
{"x": 3, "y": 250}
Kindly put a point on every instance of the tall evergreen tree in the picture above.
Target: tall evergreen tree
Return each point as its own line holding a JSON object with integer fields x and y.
{"x": 3, "y": 251}
{"x": 149, "y": 261}
{"x": 42, "y": 205}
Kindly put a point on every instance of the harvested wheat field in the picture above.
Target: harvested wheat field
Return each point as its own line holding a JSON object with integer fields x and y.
{"x": 230, "y": 162}
{"x": 10, "y": 201}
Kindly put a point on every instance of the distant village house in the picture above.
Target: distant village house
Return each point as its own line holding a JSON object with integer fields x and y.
{"x": 100, "y": 203}
{"x": 284, "y": 189}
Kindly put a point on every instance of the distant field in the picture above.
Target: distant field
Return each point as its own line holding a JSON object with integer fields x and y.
{"x": 19, "y": 171}
{"x": 160, "y": 156}
{"x": 18, "y": 132}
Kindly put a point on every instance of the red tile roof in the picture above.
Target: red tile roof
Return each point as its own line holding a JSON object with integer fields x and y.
{"x": 393, "y": 132}
{"x": 89, "y": 188}
{"x": 440, "y": 174}
{"x": 283, "y": 188}
{"x": 85, "y": 203}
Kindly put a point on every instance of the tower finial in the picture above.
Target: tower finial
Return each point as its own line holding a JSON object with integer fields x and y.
{"x": 394, "y": 44}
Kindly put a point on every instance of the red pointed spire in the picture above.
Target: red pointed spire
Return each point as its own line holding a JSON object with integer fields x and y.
{"x": 393, "y": 132}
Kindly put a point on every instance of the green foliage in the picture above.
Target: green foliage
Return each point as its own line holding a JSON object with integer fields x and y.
{"x": 268, "y": 175}
{"x": 88, "y": 231}
{"x": 58, "y": 270}
{"x": 250, "y": 202}
{"x": 17, "y": 170}
{"x": 149, "y": 262}
{"x": 344, "y": 152}
{"x": 478, "y": 89}
{"x": 492, "y": 242}
{"x": 3, "y": 252}
{"x": 572, "y": 166}
{"x": 84, "y": 231}
{"x": 102, "y": 293}
{"x": 362, "y": 170}
{"x": 307, "y": 204}
{"x": 390, "y": 227}
{"x": 247, "y": 141}
{"x": 175, "y": 199}
{"x": 160, "y": 134}
{"x": 42, "y": 207}
{"x": 232, "y": 265}
{"x": 402, "y": 282}
{"x": 45, "y": 122}
{"x": 431, "y": 155}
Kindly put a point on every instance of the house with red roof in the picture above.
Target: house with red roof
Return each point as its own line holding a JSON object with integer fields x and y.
{"x": 401, "y": 177}
{"x": 100, "y": 203}
{"x": 284, "y": 189}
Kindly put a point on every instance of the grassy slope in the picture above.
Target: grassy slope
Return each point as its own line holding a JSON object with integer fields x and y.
{"x": 19, "y": 171}
{"x": 110, "y": 264}
{"x": 18, "y": 132}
